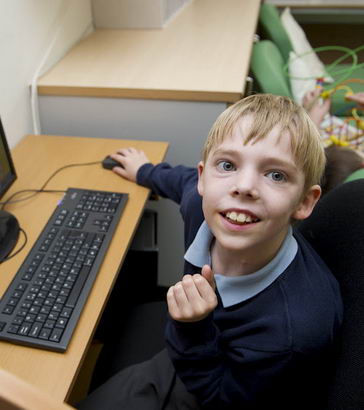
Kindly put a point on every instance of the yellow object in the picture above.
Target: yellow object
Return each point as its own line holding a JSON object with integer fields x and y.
{"x": 337, "y": 141}
{"x": 326, "y": 94}
{"x": 360, "y": 124}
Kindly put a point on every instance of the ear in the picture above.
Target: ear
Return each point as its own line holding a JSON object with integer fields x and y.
{"x": 308, "y": 202}
{"x": 200, "y": 168}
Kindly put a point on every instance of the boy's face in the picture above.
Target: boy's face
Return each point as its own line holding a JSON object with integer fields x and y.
{"x": 251, "y": 192}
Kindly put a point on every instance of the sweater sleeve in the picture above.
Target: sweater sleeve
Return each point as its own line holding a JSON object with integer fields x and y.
{"x": 223, "y": 375}
{"x": 166, "y": 181}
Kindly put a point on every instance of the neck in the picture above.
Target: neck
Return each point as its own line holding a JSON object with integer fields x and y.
{"x": 236, "y": 263}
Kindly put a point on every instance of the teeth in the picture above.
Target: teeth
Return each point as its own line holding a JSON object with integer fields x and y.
{"x": 240, "y": 217}
{"x": 232, "y": 215}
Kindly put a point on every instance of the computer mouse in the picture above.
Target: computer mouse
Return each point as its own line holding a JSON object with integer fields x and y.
{"x": 109, "y": 163}
{"x": 9, "y": 233}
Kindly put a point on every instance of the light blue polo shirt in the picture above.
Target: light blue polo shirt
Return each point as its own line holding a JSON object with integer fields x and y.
{"x": 236, "y": 289}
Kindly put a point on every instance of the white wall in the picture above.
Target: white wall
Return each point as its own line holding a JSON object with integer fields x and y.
{"x": 27, "y": 29}
{"x": 135, "y": 13}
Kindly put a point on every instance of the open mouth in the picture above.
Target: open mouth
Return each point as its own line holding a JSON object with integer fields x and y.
{"x": 240, "y": 218}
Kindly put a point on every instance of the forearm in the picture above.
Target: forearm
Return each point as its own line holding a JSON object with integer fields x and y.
{"x": 166, "y": 181}
{"x": 193, "y": 349}
{"x": 206, "y": 369}
{"x": 219, "y": 370}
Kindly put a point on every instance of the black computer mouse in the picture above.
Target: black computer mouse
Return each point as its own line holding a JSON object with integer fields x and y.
{"x": 9, "y": 233}
{"x": 109, "y": 163}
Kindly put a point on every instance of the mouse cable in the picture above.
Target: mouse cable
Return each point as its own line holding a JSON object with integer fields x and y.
{"x": 34, "y": 192}
{"x": 67, "y": 166}
{"x": 20, "y": 249}
{"x": 42, "y": 188}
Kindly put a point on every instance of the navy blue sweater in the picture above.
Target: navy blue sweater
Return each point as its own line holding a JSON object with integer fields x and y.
{"x": 273, "y": 349}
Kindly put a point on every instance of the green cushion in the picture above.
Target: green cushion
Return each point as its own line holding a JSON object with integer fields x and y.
{"x": 272, "y": 28}
{"x": 358, "y": 174}
{"x": 267, "y": 68}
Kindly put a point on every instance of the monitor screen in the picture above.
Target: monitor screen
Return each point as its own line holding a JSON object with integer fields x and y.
{"x": 9, "y": 226}
{"x": 7, "y": 170}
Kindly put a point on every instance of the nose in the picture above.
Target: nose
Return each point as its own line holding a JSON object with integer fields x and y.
{"x": 245, "y": 184}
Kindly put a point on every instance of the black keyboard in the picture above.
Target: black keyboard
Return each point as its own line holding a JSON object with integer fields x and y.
{"x": 43, "y": 303}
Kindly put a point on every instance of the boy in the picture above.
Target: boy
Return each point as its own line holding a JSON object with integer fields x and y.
{"x": 255, "y": 328}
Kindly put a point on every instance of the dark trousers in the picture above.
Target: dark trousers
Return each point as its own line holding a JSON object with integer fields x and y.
{"x": 150, "y": 385}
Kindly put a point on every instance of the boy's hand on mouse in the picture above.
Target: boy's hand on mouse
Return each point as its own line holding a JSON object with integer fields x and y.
{"x": 131, "y": 159}
{"x": 193, "y": 298}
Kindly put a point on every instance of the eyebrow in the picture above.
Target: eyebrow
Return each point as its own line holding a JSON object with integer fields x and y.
{"x": 224, "y": 152}
{"x": 281, "y": 163}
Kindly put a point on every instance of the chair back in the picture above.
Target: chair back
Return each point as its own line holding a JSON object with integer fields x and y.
{"x": 336, "y": 231}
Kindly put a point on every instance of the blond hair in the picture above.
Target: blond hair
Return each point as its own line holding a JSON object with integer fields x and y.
{"x": 269, "y": 111}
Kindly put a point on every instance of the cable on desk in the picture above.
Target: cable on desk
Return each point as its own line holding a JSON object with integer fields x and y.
{"x": 35, "y": 192}
{"x": 41, "y": 189}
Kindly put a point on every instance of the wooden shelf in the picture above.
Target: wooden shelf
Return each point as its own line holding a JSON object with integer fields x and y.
{"x": 203, "y": 55}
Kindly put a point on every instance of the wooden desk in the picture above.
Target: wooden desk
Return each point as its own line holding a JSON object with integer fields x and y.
{"x": 167, "y": 84}
{"x": 36, "y": 158}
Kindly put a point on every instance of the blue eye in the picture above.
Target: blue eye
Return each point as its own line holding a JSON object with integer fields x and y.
{"x": 277, "y": 176}
{"x": 226, "y": 166}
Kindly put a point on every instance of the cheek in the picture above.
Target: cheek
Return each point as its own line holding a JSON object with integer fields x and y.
{"x": 280, "y": 208}
{"x": 210, "y": 201}
{"x": 214, "y": 191}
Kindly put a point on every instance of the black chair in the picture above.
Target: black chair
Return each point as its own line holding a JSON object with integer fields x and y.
{"x": 336, "y": 231}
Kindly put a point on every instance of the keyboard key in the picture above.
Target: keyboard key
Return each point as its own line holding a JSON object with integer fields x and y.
{"x": 56, "y": 335}
{"x": 35, "y": 330}
{"x": 72, "y": 299}
{"x": 24, "y": 328}
{"x": 44, "y": 333}
{"x": 18, "y": 320}
{"x": 61, "y": 322}
{"x": 41, "y": 318}
{"x": 66, "y": 312}
{"x": 49, "y": 324}
{"x": 13, "y": 329}
{"x": 8, "y": 310}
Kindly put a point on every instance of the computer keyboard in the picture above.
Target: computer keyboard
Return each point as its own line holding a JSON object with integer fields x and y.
{"x": 43, "y": 303}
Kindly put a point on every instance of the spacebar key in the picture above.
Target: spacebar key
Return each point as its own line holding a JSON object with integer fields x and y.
{"x": 77, "y": 287}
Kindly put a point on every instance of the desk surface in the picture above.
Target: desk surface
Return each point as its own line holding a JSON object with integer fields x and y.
{"x": 36, "y": 158}
{"x": 202, "y": 55}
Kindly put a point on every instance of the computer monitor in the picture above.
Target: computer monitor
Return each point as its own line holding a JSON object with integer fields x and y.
{"x": 9, "y": 226}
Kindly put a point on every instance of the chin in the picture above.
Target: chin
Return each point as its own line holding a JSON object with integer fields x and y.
{"x": 234, "y": 243}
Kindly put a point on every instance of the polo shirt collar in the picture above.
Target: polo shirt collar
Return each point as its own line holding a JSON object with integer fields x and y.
{"x": 237, "y": 289}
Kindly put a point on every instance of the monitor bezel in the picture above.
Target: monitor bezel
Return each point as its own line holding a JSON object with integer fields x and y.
{"x": 12, "y": 175}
